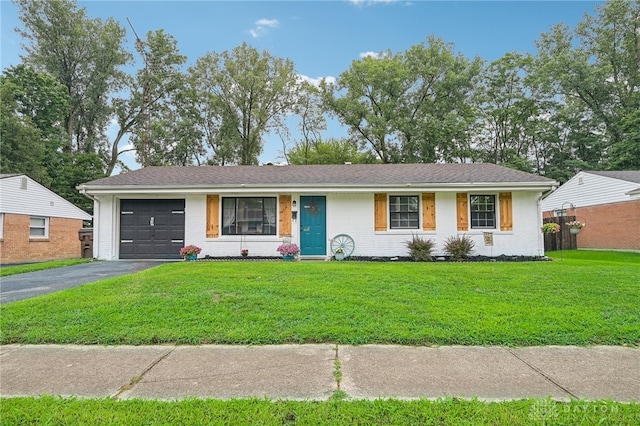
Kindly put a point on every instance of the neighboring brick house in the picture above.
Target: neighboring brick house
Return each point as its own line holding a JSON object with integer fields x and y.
{"x": 608, "y": 202}
{"x": 36, "y": 224}
{"x": 152, "y": 212}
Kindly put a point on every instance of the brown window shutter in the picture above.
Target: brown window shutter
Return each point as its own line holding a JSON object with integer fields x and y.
{"x": 380, "y": 211}
{"x": 213, "y": 213}
{"x": 285, "y": 216}
{"x": 506, "y": 212}
{"x": 429, "y": 211}
{"x": 462, "y": 211}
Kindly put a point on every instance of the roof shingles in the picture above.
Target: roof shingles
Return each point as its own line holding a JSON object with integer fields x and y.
{"x": 628, "y": 175}
{"x": 339, "y": 174}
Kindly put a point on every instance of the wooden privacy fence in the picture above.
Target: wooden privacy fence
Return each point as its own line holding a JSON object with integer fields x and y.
{"x": 562, "y": 240}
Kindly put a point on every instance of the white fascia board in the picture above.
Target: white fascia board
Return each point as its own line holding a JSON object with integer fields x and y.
{"x": 204, "y": 189}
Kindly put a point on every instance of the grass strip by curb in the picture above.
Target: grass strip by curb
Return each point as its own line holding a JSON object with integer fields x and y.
{"x": 54, "y": 410}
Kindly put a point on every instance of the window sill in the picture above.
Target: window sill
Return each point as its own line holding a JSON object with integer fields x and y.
{"x": 39, "y": 240}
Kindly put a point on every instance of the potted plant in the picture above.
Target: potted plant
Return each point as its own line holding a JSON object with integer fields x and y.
{"x": 575, "y": 226}
{"x": 190, "y": 252}
{"x": 288, "y": 250}
{"x": 244, "y": 252}
{"x": 339, "y": 253}
{"x": 550, "y": 228}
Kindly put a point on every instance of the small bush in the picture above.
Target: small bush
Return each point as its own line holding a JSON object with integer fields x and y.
{"x": 420, "y": 249}
{"x": 459, "y": 247}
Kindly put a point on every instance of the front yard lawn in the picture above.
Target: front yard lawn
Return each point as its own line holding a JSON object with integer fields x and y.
{"x": 587, "y": 300}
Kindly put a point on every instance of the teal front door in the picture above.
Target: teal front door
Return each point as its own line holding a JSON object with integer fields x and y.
{"x": 313, "y": 226}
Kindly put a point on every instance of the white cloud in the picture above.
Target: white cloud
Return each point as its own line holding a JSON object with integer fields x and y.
{"x": 262, "y": 27}
{"x": 360, "y": 3}
{"x": 374, "y": 55}
{"x": 316, "y": 81}
{"x": 273, "y": 23}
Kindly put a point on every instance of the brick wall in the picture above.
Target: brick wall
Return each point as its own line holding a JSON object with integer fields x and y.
{"x": 16, "y": 246}
{"x": 610, "y": 226}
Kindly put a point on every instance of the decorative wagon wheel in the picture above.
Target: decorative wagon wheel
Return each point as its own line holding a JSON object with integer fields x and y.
{"x": 343, "y": 241}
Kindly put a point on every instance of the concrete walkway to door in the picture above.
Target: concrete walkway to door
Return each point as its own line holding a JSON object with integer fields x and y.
{"x": 32, "y": 284}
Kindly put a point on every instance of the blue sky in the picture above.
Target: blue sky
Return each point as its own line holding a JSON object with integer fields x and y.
{"x": 322, "y": 38}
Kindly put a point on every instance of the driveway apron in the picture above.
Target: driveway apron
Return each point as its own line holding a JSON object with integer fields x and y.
{"x": 32, "y": 284}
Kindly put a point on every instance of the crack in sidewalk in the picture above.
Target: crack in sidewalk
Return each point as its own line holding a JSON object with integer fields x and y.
{"x": 337, "y": 369}
{"x": 543, "y": 374}
{"x": 139, "y": 377}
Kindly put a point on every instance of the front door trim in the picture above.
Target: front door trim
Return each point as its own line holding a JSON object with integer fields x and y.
{"x": 313, "y": 225}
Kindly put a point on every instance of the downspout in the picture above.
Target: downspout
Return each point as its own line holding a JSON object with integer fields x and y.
{"x": 540, "y": 234}
{"x": 96, "y": 217}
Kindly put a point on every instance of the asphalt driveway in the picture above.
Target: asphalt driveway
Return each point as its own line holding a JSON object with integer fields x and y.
{"x": 32, "y": 284}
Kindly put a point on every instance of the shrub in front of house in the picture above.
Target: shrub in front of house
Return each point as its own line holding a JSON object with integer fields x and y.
{"x": 420, "y": 249}
{"x": 459, "y": 247}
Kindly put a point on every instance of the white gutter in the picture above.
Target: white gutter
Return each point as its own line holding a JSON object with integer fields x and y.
{"x": 96, "y": 218}
{"x": 540, "y": 220}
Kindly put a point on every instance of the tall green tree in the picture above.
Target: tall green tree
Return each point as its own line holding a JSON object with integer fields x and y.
{"x": 331, "y": 151}
{"x": 23, "y": 147}
{"x": 83, "y": 54}
{"x": 413, "y": 106}
{"x": 509, "y": 113}
{"x": 33, "y": 111}
{"x": 150, "y": 113}
{"x": 595, "y": 70}
{"x": 240, "y": 96}
{"x": 312, "y": 122}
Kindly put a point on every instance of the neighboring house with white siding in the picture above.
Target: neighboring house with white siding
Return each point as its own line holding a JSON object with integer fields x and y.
{"x": 607, "y": 201}
{"x": 36, "y": 224}
{"x": 153, "y": 212}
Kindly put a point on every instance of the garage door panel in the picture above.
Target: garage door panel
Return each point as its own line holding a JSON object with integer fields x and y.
{"x": 176, "y": 235}
{"x": 162, "y": 234}
{"x": 143, "y": 220}
{"x": 126, "y": 251}
{"x": 151, "y": 229}
{"x": 127, "y": 220}
{"x": 161, "y": 220}
{"x": 127, "y": 235}
{"x": 144, "y": 251}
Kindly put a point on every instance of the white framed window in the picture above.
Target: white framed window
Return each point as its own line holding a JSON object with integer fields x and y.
{"x": 39, "y": 227}
{"x": 249, "y": 216}
{"x": 1, "y": 226}
{"x": 404, "y": 212}
{"x": 483, "y": 211}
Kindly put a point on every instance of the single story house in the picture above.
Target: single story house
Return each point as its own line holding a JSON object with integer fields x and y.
{"x": 36, "y": 224}
{"x": 608, "y": 202}
{"x": 153, "y": 212}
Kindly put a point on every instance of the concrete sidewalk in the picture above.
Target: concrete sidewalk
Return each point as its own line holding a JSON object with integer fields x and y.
{"x": 308, "y": 372}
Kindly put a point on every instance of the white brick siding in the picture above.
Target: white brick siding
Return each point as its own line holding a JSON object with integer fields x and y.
{"x": 347, "y": 213}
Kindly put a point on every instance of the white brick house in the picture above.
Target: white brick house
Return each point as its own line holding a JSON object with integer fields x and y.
{"x": 153, "y": 212}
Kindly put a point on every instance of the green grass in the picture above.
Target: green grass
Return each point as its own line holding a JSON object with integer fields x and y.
{"x": 39, "y": 266}
{"x": 576, "y": 301}
{"x": 597, "y": 256}
{"x": 49, "y": 410}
